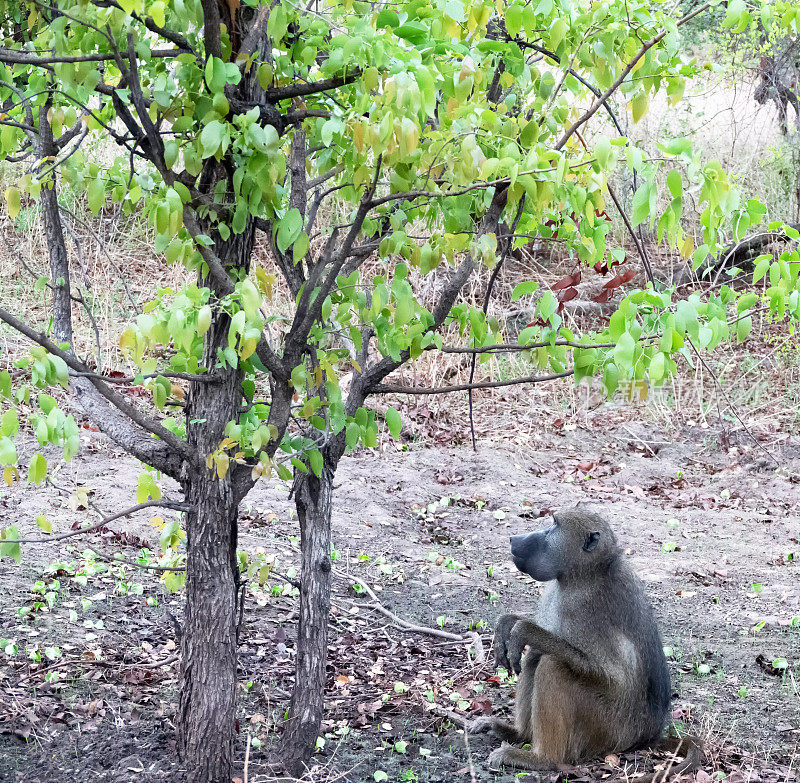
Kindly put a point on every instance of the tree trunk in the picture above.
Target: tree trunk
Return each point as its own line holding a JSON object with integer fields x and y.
{"x": 207, "y": 708}
{"x": 54, "y": 233}
{"x": 313, "y": 499}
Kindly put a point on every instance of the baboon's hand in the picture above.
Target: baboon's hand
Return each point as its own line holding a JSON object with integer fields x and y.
{"x": 502, "y": 632}
{"x": 518, "y": 640}
{"x": 515, "y": 647}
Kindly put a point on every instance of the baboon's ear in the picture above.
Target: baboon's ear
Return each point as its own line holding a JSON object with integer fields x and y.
{"x": 591, "y": 542}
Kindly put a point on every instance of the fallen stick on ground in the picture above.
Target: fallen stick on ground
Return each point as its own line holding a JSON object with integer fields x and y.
{"x": 471, "y": 638}
{"x": 443, "y": 712}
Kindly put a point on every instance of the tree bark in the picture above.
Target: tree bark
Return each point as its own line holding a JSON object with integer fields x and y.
{"x": 207, "y": 707}
{"x": 313, "y": 500}
{"x": 54, "y": 234}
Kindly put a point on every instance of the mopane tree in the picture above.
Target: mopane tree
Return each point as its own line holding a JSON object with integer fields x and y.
{"x": 429, "y": 137}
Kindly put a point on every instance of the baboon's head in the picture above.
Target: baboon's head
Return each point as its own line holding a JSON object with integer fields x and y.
{"x": 578, "y": 542}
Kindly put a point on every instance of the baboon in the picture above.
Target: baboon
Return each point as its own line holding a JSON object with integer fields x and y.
{"x": 594, "y": 679}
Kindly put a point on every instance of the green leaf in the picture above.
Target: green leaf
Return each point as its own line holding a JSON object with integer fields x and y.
{"x": 289, "y": 229}
{"x": 624, "y": 351}
{"x": 743, "y": 327}
{"x": 37, "y": 470}
{"x": 415, "y": 33}
{"x": 95, "y": 196}
{"x": 675, "y": 183}
{"x": 13, "y": 200}
{"x": 9, "y": 425}
{"x": 523, "y": 289}
{"x": 514, "y": 20}
{"x": 265, "y": 74}
{"x": 657, "y": 368}
{"x": 212, "y": 137}
{"x": 203, "y": 320}
{"x": 641, "y": 204}
{"x": 315, "y": 462}
{"x": 393, "y": 422}
{"x": 215, "y": 74}
{"x": 736, "y": 8}
{"x": 602, "y": 151}
{"x": 43, "y": 522}
{"x": 298, "y": 465}
{"x": 174, "y": 580}
{"x": 745, "y": 302}
{"x": 676, "y": 146}
{"x": 639, "y": 105}
{"x": 10, "y": 550}
{"x": 300, "y": 247}
{"x": 47, "y": 403}
{"x": 8, "y": 454}
{"x": 387, "y": 18}
{"x": 170, "y": 152}
{"x": 557, "y": 32}
{"x": 761, "y": 268}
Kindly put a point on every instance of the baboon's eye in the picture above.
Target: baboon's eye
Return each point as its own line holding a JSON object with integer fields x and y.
{"x": 591, "y": 542}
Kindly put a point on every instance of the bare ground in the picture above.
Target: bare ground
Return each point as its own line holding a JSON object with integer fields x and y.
{"x": 712, "y": 529}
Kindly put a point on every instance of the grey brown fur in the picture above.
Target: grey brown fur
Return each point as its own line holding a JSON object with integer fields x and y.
{"x": 594, "y": 679}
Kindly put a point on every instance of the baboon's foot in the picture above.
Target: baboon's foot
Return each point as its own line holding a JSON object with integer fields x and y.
{"x": 482, "y": 725}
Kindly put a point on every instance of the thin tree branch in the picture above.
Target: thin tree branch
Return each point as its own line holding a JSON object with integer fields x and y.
{"x": 12, "y": 57}
{"x": 174, "y": 505}
{"x": 276, "y": 94}
{"x": 179, "y": 446}
{"x": 383, "y": 388}
{"x": 590, "y": 112}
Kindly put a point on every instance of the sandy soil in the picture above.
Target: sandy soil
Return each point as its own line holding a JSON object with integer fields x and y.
{"x": 713, "y": 532}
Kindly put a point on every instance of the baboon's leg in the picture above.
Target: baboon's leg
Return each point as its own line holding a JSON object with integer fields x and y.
{"x": 509, "y": 756}
{"x": 570, "y": 719}
{"x": 501, "y": 729}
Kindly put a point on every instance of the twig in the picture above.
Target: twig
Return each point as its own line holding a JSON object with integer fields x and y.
{"x": 383, "y": 388}
{"x": 180, "y": 447}
{"x": 443, "y": 712}
{"x": 410, "y": 627}
{"x": 107, "y": 664}
{"x": 600, "y": 101}
{"x": 247, "y": 757}
{"x": 104, "y": 521}
{"x": 472, "y": 637}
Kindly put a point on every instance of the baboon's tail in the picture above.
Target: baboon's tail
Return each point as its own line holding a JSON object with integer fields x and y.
{"x": 690, "y": 745}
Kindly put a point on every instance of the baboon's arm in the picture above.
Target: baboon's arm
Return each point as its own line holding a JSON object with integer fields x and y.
{"x": 541, "y": 641}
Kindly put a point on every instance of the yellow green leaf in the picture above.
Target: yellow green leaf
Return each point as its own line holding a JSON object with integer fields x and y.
{"x": 13, "y": 201}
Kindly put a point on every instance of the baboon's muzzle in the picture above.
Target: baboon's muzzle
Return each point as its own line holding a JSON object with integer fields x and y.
{"x": 526, "y": 546}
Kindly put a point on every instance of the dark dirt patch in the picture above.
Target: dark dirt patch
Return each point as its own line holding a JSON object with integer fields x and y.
{"x": 710, "y": 530}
